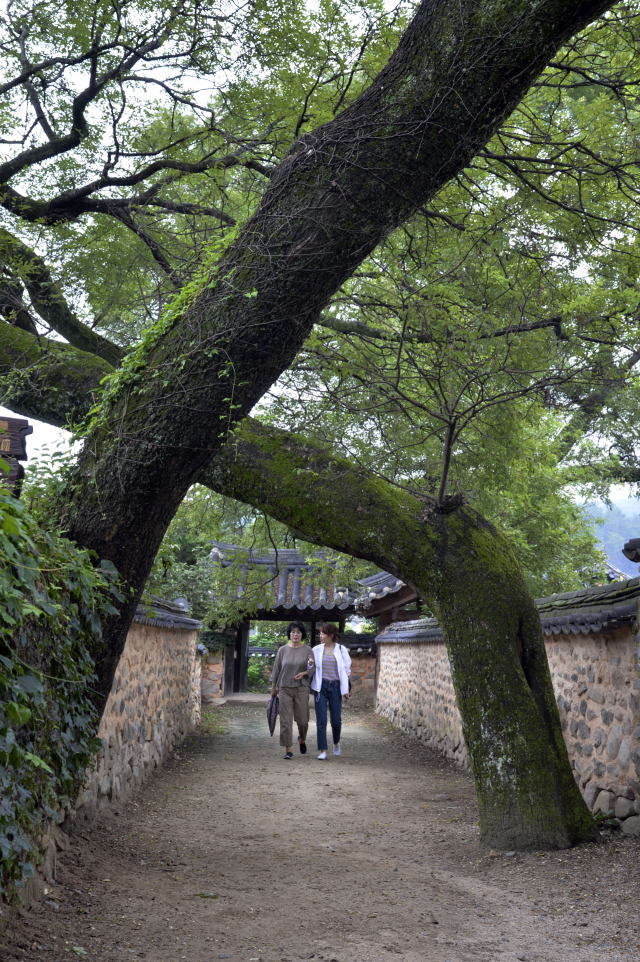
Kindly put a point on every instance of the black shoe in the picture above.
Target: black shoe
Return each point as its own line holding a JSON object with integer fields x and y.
{"x": 288, "y": 755}
{"x": 303, "y": 747}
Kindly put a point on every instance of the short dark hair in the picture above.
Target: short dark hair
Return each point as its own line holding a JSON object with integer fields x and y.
{"x": 296, "y": 624}
{"x": 328, "y": 629}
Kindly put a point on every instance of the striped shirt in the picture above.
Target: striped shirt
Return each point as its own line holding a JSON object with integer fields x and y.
{"x": 330, "y": 668}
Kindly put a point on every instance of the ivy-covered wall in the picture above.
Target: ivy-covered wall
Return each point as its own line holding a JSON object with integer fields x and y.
{"x": 52, "y": 598}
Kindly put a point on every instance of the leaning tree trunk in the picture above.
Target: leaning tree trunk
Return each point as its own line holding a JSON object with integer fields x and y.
{"x": 468, "y": 574}
{"x": 458, "y": 71}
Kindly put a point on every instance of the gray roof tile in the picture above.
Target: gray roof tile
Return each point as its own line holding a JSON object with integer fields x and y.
{"x": 583, "y": 612}
{"x": 165, "y": 614}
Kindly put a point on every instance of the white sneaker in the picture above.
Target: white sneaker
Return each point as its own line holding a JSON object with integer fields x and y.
{"x": 336, "y": 749}
{"x": 322, "y": 756}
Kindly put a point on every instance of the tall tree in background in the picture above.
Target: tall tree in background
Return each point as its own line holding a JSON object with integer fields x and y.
{"x": 396, "y": 140}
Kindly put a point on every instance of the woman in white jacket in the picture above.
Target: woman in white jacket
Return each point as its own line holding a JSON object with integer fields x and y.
{"x": 330, "y": 684}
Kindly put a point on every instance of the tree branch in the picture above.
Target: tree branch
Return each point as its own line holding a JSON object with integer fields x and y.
{"x": 459, "y": 70}
{"x": 194, "y": 209}
{"x": 79, "y": 128}
{"x": 124, "y": 216}
{"x": 31, "y": 91}
{"x": 50, "y": 303}
{"x": 591, "y": 407}
{"x": 47, "y": 380}
{"x": 40, "y": 68}
{"x": 376, "y": 333}
{"x": 12, "y": 306}
{"x": 72, "y": 204}
{"x": 466, "y": 572}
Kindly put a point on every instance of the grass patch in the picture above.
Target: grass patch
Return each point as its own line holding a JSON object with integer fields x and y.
{"x": 212, "y": 723}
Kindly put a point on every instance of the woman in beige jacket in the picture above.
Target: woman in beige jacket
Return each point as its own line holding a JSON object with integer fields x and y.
{"x": 292, "y": 672}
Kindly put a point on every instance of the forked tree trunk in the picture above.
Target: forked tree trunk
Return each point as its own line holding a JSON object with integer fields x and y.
{"x": 466, "y": 571}
{"x": 457, "y": 73}
{"x": 459, "y": 70}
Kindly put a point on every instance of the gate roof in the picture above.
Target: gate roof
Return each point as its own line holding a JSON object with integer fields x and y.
{"x": 298, "y": 587}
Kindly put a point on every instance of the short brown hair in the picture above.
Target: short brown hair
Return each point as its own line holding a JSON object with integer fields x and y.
{"x": 328, "y": 629}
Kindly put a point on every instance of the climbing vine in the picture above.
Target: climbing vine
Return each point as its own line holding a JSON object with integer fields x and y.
{"x": 52, "y": 598}
{"x": 134, "y": 365}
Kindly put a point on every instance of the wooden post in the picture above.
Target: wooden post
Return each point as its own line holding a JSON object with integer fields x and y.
{"x": 229, "y": 665}
{"x": 242, "y": 657}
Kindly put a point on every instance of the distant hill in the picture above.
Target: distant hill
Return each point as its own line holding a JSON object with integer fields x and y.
{"x": 629, "y": 506}
{"x": 618, "y": 527}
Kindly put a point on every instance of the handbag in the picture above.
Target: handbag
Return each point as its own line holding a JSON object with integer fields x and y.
{"x": 273, "y": 710}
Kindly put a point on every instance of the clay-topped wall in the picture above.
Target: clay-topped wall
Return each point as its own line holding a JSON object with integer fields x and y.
{"x": 596, "y": 680}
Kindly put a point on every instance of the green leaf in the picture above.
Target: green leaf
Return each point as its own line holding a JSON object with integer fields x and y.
{"x": 10, "y": 525}
{"x": 38, "y": 762}
{"x": 30, "y": 684}
{"x": 19, "y": 714}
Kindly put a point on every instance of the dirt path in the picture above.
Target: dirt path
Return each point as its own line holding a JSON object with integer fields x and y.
{"x": 229, "y": 852}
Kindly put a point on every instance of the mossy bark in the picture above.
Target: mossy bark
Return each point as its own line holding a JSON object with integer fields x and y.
{"x": 46, "y": 379}
{"x": 50, "y": 303}
{"x": 457, "y": 73}
{"x": 466, "y": 571}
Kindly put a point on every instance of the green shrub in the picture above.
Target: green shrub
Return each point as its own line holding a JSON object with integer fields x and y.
{"x": 255, "y": 672}
{"x": 52, "y": 598}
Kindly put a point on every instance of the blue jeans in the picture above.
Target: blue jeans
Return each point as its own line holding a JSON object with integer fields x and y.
{"x": 329, "y": 692}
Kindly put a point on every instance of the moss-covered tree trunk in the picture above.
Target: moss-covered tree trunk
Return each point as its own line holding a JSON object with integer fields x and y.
{"x": 457, "y": 73}
{"x": 466, "y": 571}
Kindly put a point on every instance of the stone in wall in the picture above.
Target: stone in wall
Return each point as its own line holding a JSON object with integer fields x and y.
{"x": 212, "y": 677}
{"x": 153, "y": 705}
{"x": 363, "y": 674}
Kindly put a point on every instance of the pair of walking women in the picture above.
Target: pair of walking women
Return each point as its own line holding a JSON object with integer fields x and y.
{"x": 325, "y": 669}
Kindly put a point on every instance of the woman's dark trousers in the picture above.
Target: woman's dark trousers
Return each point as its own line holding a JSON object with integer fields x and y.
{"x": 329, "y": 692}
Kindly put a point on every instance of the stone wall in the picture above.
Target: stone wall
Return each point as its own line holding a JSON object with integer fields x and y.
{"x": 212, "y": 677}
{"x": 596, "y": 680}
{"x": 363, "y": 676}
{"x": 415, "y": 692}
{"x": 154, "y": 703}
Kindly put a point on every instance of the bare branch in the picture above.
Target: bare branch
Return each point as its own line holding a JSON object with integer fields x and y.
{"x": 124, "y": 216}
{"x": 364, "y": 330}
